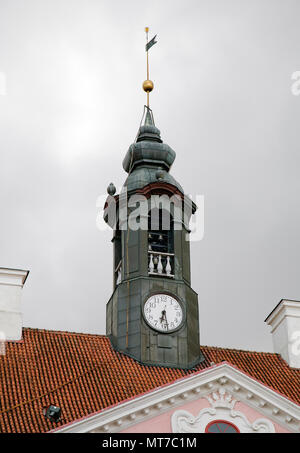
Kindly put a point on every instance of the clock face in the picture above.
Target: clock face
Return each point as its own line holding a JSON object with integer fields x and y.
{"x": 163, "y": 313}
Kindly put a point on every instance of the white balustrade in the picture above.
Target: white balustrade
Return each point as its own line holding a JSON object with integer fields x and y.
{"x": 151, "y": 263}
{"x": 168, "y": 266}
{"x": 161, "y": 264}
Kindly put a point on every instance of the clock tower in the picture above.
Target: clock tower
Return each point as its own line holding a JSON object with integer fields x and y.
{"x": 152, "y": 315}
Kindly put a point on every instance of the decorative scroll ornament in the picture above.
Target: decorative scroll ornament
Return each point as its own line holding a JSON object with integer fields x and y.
{"x": 221, "y": 399}
{"x": 222, "y": 408}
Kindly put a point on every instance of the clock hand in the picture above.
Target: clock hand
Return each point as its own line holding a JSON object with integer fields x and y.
{"x": 163, "y": 318}
{"x": 166, "y": 317}
{"x": 163, "y": 314}
{"x": 167, "y": 324}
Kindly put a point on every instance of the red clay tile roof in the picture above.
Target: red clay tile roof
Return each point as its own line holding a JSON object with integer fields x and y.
{"x": 82, "y": 374}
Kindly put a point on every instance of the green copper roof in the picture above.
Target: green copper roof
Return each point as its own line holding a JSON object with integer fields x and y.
{"x": 142, "y": 176}
{"x": 148, "y": 155}
{"x": 149, "y": 120}
{"x": 148, "y": 152}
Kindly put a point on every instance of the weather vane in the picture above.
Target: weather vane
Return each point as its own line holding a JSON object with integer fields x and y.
{"x": 148, "y": 84}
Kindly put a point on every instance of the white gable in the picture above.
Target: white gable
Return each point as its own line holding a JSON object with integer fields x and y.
{"x": 220, "y": 379}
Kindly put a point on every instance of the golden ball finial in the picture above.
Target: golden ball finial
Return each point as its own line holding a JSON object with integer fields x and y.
{"x": 148, "y": 86}
{"x": 146, "y": 29}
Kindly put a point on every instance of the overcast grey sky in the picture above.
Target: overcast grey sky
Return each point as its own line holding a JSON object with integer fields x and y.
{"x": 222, "y": 100}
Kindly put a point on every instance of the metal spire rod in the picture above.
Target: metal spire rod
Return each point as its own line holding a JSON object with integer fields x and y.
{"x": 148, "y": 84}
{"x": 147, "y": 51}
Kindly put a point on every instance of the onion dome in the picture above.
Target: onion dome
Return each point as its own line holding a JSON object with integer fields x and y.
{"x": 148, "y": 155}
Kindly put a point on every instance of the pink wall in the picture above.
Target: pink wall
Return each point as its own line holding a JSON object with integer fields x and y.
{"x": 162, "y": 423}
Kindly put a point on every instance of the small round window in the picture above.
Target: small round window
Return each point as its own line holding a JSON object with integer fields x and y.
{"x": 221, "y": 426}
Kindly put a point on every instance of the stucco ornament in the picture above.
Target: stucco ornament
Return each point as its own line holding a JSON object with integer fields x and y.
{"x": 221, "y": 408}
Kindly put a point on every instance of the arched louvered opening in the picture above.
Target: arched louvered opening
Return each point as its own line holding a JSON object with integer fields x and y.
{"x": 160, "y": 243}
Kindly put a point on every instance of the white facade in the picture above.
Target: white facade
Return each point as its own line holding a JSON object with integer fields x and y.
{"x": 11, "y": 284}
{"x": 285, "y": 328}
